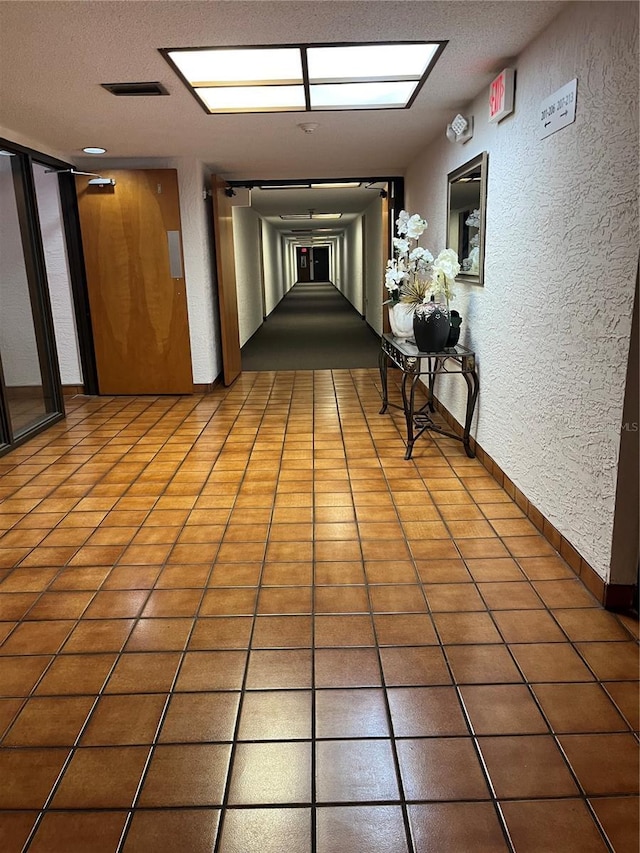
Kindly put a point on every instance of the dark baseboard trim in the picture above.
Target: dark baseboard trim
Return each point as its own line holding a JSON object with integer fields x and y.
{"x": 72, "y": 390}
{"x": 612, "y": 596}
{"x": 207, "y": 387}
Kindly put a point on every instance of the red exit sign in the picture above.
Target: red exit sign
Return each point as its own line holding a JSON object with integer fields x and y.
{"x": 501, "y": 95}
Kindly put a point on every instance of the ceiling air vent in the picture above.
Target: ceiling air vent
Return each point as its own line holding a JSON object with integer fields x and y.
{"x": 127, "y": 89}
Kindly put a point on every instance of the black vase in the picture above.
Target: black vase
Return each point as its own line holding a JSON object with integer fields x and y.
{"x": 431, "y": 327}
{"x": 454, "y": 329}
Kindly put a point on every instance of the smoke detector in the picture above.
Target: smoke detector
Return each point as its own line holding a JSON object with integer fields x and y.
{"x": 308, "y": 126}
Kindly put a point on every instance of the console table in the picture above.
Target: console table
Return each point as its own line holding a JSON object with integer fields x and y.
{"x": 414, "y": 364}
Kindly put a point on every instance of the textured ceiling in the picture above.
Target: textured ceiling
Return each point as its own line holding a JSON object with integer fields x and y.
{"x": 55, "y": 55}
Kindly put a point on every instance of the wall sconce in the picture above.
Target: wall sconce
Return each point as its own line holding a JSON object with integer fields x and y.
{"x": 460, "y": 129}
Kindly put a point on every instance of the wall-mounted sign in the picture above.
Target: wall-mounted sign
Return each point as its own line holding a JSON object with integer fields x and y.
{"x": 559, "y": 109}
{"x": 501, "y": 95}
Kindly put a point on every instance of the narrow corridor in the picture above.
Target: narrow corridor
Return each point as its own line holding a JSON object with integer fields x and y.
{"x": 313, "y": 328}
{"x": 242, "y": 622}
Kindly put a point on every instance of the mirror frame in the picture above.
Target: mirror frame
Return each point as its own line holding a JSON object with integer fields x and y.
{"x": 481, "y": 160}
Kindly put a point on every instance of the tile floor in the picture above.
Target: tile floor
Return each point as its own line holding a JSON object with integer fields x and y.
{"x": 242, "y": 622}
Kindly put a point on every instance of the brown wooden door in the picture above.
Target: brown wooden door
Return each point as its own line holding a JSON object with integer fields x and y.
{"x": 133, "y": 259}
{"x": 226, "y": 270}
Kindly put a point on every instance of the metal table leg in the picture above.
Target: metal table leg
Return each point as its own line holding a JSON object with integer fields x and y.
{"x": 473, "y": 385}
{"x": 383, "y": 366}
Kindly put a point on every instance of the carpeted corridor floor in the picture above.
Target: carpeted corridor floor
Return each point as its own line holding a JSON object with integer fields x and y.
{"x": 313, "y": 328}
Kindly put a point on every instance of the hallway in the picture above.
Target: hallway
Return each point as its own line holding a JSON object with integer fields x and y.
{"x": 313, "y": 328}
{"x": 242, "y": 622}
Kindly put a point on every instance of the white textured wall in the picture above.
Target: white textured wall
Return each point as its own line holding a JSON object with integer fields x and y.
{"x": 374, "y": 274}
{"x": 246, "y": 244}
{"x": 551, "y": 326}
{"x": 352, "y": 283}
{"x": 55, "y": 255}
{"x": 275, "y": 282}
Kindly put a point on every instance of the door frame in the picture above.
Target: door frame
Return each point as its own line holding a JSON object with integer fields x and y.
{"x": 37, "y": 282}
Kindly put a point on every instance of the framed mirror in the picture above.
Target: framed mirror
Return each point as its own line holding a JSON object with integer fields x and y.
{"x": 466, "y": 211}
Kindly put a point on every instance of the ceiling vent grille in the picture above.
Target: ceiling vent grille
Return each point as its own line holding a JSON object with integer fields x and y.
{"x": 129, "y": 89}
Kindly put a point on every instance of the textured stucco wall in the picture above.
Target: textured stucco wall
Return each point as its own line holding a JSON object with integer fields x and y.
{"x": 275, "y": 285}
{"x": 352, "y": 282}
{"x": 246, "y": 244}
{"x": 373, "y": 264}
{"x": 55, "y": 256}
{"x": 551, "y": 326}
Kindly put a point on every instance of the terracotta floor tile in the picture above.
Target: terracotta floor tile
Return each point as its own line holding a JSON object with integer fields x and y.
{"x": 222, "y": 574}
{"x": 143, "y": 672}
{"x": 344, "y": 829}
{"x": 28, "y": 580}
{"x": 527, "y": 626}
{"x": 510, "y": 596}
{"x": 124, "y": 720}
{"x": 276, "y": 715}
{"x": 285, "y": 551}
{"x": 287, "y": 574}
{"x": 611, "y": 661}
{"x": 419, "y": 666}
{"x": 200, "y": 717}
{"x": 37, "y": 638}
{"x": 537, "y": 826}
{"x": 221, "y": 632}
{"x": 75, "y": 674}
{"x": 401, "y": 598}
{"x": 15, "y": 828}
{"x": 456, "y": 827}
{"x": 165, "y": 831}
{"x": 159, "y": 635}
{"x": 604, "y": 763}
{"x": 441, "y": 769}
{"x": 482, "y": 548}
{"x": 542, "y": 662}
{"x": 546, "y": 568}
{"x": 564, "y": 593}
{"x": 404, "y": 629}
{"x": 425, "y": 712}
{"x": 455, "y": 628}
{"x": 72, "y": 832}
{"x": 626, "y": 695}
{"x": 186, "y": 775}
{"x": 541, "y": 769}
{"x": 282, "y": 632}
{"x": 355, "y": 771}
{"x": 338, "y": 631}
{"x": 502, "y": 709}
{"x": 577, "y": 708}
{"x": 220, "y": 670}
{"x": 478, "y": 664}
{"x": 390, "y": 572}
{"x": 449, "y": 571}
{"x": 103, "y": 635}
{"x": 89, "y": 578}
{"x": 341, "y": 599}
{"x": 101, "y": 777}
{"x": 14, "y": 605}
{"x": 346, "y": 668}
{"x": 453, "y": 597}
{"x": 275, "y": 773}
{"x": 284, "y": 600}
{"x": 490, "y": 569}
{"x": 336, "y": 573}
{"x": 289, "y": 668}
{"x": 117, "y": 604}
{"x": 619, "y": 818}
{"x": 351, "y": 714}
{"x": 590, "y": 624}
{"x": 265, "y": 831}
{"x": 49, "y": 721}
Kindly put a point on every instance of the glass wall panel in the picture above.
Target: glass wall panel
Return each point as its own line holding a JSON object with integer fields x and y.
{"x": 27, "y": 396}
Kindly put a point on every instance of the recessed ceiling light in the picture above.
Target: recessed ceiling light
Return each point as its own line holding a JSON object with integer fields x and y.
{"x": 304, "y": 78}
{"x": 93, "y": 149}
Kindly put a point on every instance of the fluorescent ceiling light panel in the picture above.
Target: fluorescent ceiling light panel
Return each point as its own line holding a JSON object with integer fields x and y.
{"x": 326, "y": 216}
{"x": 304, "y": 78}
{"x": 310, "y": 215}
{"x": 338, "y": 186}
{"x": 369, "y": 62}
{"x": 222, "y": 66}
{"x": 361, "y": 96}
{"x": 228, "y": 99}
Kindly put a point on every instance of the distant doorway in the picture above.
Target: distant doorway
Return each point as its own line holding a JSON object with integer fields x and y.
{"x": 303, "y": 263}
{"x": 320, "y": 263}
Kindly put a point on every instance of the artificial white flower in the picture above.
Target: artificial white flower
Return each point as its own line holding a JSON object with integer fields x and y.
{"x": 401, "y": 222}
{"x": 416, "y": 226}
{"x": 401, "y": 246}
{"x": 447, "y": 264}
{"x": 420, "y": 259}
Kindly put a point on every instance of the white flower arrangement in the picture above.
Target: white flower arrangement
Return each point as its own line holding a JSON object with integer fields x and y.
{"x": 412, "y": 276}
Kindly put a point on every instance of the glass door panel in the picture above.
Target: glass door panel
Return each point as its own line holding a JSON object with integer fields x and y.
{"x": 27, "y": 388}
